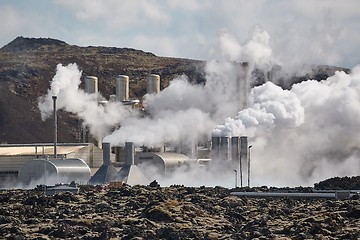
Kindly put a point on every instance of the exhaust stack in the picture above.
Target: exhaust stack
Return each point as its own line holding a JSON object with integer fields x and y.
{"x": 153, "y": 84}
{"x": 215, "y": 148}
{"x": 225, "y": 150}
{"x": 107, "y": 171}
{"x": 130, "y": 173}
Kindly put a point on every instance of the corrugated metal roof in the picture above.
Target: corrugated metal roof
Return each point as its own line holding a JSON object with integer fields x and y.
{"x": 41, "y": 150}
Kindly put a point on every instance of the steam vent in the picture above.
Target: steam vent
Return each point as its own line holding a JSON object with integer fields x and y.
{"x": 153, "y": 84}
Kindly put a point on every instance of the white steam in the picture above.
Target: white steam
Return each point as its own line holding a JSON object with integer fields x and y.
{"x": 299, "y": 136}
{"x": 99, "y": 118}
{"x": 303, "y": 135}
{"x": 256, "y": 50}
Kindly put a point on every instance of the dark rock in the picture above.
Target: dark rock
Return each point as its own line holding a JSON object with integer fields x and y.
{"x": 354, "y": 213}
{"x": 154, "y": 184}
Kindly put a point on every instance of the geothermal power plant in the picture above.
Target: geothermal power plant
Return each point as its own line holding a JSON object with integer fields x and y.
{"x": 92, "y": 161}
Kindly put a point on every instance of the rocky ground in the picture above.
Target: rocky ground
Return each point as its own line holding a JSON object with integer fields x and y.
{"x": 176, "y": 212}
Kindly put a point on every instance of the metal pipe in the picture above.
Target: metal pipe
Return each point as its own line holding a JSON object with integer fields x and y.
{"x": 283, "y": 194}
{"x": 243, "y": 156}
{"x": 55, "y": 127}
{"x": 106, "y": 153}
{"x": 130, "y": 153}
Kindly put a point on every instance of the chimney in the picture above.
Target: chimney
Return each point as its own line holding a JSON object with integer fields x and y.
{"x": 122, "y": 88}
{"x": 153, "y": 84}
{"x": 215, "y": 148}
{"x": 91, "y": 84}
{"x": 225, "y": 150}
{"x": 235, "y": 149}
{"x": 129, "y": 153}
{"x": 106, "y": 153}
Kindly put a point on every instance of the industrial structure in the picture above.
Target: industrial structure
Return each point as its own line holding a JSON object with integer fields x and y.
{"x": 50, "y": 172}
{"x": 77, "y": 162}
{"x": 163, "y": 161}
{"x": 153, "y": 84}
{"x": 234, "y": 151}
{"x": 107, "y": 171}
{"x": 14, "y": 156}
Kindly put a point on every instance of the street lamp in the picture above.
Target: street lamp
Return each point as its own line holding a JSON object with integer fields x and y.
{"x": 235, "y": 178}
{"x": 249, "y": 166}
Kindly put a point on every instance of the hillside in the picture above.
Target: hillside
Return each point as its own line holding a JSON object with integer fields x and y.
{"x": 27, "y": 65}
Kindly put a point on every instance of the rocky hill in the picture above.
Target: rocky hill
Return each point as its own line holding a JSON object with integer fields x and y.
{"x": 27, "y": 65}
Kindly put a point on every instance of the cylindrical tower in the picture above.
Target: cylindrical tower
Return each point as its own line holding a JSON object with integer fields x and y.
{"x": 225, "y": 148}
{"x": 130, "y": 153}
{"x": 235, "y": 149}
{"x": 153, "y": 84}
{"x": 245, "y": 85}
{"x": 215, "y": 148}
{"x": 106, "y": 153}
{"x": 91, "y": 84}
{"x": 244, "y": 152}
{"x": 122, "y": 88}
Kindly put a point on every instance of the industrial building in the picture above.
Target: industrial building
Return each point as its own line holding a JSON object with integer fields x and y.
{"x": 95, "y": 162}
{"x": 54, "y": 171}
{"x": 14, "y": 156}
{"x": 163, "y": 161}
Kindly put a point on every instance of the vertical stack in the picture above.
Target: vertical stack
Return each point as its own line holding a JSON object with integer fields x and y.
{"x": 232, "y": 150}
{"x": 153, "y": 84}
{"x": 91, "y": 87}
{"x": 122, "y": 88}
{"x": 242, "y": 85}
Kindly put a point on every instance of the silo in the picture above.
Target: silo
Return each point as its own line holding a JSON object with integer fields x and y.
{"x": 153, "y": 84}
{"x": 91, "y": 84}
{"x": 122, "y": 88}
{"x": 225, "y": 148}
{"x": 215, "y": 148}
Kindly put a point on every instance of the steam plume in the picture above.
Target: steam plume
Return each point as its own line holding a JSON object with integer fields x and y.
{"x": 65, "y": 85}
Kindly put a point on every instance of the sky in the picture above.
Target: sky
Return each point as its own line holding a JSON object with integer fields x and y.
{"x": 308, "y": 31}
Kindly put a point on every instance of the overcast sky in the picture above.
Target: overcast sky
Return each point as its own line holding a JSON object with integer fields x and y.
{"x": 313, "y": 31}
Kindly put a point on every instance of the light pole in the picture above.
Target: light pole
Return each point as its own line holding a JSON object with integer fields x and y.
{"x": 235, "y": 178}
{"x": 249, "y": 165}
{"x": 240, "y": 169}
{"x": 55, "y": 126}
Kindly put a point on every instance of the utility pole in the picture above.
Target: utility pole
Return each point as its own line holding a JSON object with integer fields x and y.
{"x": 249, "y": 166}
{"x": 236, "y": 180}
{"x": 241, "y": 174}
{"x": 55, "y": 127}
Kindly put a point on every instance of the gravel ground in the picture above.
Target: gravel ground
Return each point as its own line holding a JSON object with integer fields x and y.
{"x": 176, "y": 212}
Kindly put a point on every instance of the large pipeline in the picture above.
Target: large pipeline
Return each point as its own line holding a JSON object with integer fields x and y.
{"x": 341, "y": 194}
